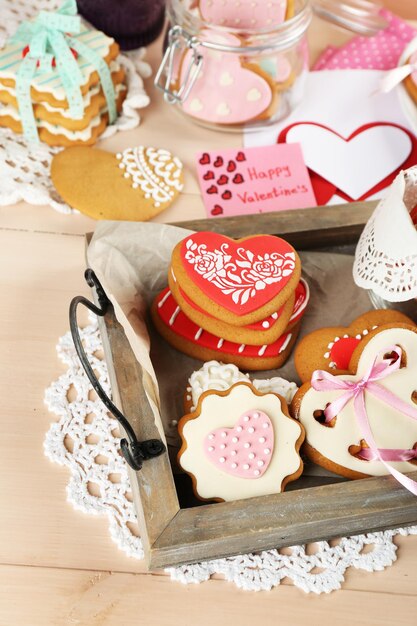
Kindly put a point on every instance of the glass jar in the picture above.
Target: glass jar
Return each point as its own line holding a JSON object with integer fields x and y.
{"x": 244, "y": 70}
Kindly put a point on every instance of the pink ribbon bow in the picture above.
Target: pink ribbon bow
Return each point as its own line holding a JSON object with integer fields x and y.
{"x": 324, "y": 381}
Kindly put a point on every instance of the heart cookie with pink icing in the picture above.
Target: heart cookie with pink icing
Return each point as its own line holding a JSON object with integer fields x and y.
{"x": 227, "y": 90}
{"x": 240, "y": 443}
{"x": 246, "y": 14}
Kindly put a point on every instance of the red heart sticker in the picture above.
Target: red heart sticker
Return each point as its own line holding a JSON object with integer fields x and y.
{"x": 218, "y": 162}
{"x": 238, "y": 178}
{"x": 240, "y": 276}
{"x": 212, "y": 189}
{"x": 208, "y": 175}
{"x": 217, "y": 210}
{"x": 223, "y": 180}
{"x": 226, "y": 195}
{"x": 205, "y": 159}
{"x": 240, "y": 157}
{"x": 231, "y": 166}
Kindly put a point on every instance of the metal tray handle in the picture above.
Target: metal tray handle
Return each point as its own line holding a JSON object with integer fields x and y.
{"x": 134, "y": 451}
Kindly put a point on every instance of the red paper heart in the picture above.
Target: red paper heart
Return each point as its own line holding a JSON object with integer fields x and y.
{"x": 217, "y": 210}
{"x": 240, "y": 157}
{"x": 342, "y": 351}
{"x": 239, "y": 276}
{"x": 231, "y": 166}
{"x": 205, "y": 159}
{"x": 324, "y": 190}
{"x": 223, "y": 180}
{"x": 212, "y": 189}
{"x": 244, "y": 451}
{"x": 218, "y": 162}
{"x": 226, "y": 195}
{"x": 238, "y": 178}
{"x": 26, "y": 50}
{"x": 208, "y": 175}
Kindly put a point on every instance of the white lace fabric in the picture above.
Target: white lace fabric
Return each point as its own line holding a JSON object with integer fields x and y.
{"x": 85, "y": 439}
{"x": 386, "y": 254}
{"x": 24, "y": 169}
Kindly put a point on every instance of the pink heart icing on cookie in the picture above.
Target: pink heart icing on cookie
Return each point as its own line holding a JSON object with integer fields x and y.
{"x": 248, "y": 14}
{"x": 244, "y": 451}
{"x": 225, "y": 92}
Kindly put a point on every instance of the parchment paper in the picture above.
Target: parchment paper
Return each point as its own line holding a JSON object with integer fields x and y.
{"x": 131, "y": 261}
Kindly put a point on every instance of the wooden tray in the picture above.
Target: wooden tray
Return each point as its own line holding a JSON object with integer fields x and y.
{"x": 172, "y": 535}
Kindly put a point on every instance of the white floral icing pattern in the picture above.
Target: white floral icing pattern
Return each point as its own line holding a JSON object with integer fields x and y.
{"x": 243, "y": 278}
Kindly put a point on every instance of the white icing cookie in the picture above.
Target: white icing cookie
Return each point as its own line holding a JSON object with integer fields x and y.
{"x": 329, "y": 445}
{"x": 220, "y": 376}
{"x": 240, "y": 444}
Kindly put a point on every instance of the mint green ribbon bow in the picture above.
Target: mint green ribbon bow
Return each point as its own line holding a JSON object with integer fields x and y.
{"x": 49, "y": 37}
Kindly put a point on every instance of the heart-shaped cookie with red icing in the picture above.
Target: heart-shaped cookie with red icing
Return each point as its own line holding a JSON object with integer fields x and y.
{"x": 237, "y": 281}
{"x": 240, "y": 443}
{"x": 331, "y": 348}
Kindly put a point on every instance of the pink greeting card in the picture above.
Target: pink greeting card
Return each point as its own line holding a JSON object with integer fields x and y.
{"x": 254, "y": 180}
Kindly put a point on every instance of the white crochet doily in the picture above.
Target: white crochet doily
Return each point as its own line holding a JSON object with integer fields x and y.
{"x": 386, "y": 254}
{"x": 85, "y": 439}
{"x": 24, "y": 169}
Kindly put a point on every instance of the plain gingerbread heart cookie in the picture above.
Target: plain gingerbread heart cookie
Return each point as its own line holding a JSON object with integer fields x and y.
{"x": 331, "y": 348}
{"x": 340, "y": 445}
{"x": 240, "y": 443}
{"x": 135, "y": 184}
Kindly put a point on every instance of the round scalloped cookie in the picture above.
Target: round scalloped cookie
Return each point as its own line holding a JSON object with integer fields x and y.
{"x": 216, "y": 376}
{"x": 337, "y": 446}
{"x": 135, "y": 184}
{"x": 187, "y": 337}
{"x": 246, "y": 14}
{"x": 331, "y": 348}
{"x": 239, "y": 282}
{"x": 94, "y": 102}
{"x": 240, "y": 443}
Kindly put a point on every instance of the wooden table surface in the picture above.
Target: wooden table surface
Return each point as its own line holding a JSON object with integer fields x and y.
{"x": 59, "y": 567}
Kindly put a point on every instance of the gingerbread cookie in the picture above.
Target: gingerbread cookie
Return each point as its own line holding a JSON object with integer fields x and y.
{"x": 135, "y": 184}
{"x": 227, "y": 90}
{"x": 187, "y": 337}
{"x": 240, "y": 443}
{"x": 331, "y": 348}
{"x": 239, "y": 282}
{"x": 248, "y": 14}
{"x": 365, "y": 423}
{"x": 221, "y": 376}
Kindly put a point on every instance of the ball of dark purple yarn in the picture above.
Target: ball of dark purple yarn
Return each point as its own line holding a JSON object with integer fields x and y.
{"x": 132, "y": 23}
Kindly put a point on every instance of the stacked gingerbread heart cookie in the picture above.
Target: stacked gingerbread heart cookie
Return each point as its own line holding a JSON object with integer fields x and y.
{"x": 238, "y": 301}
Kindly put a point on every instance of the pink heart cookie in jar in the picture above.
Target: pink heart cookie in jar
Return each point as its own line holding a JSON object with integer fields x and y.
{"x": 227, "y": 90}
{"x": 248, "y": 14}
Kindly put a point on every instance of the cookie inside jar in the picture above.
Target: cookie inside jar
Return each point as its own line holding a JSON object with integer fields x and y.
{"x": 229, "y": 69}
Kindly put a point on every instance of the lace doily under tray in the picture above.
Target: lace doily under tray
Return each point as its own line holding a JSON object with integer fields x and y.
{"x": 85, "y": 439}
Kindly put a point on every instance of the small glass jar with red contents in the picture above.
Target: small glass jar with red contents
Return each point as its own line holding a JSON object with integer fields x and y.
{"x": 235, "y": 64}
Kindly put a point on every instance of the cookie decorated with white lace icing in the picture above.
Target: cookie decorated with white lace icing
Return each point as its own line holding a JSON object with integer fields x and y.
{"x": 240, "y": 443}
{"x": 135, "y": 184}
{"x": 214, "y": 375}
{"x": 331, "y": 348}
